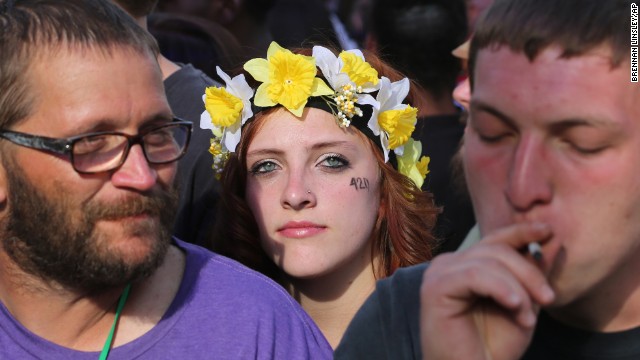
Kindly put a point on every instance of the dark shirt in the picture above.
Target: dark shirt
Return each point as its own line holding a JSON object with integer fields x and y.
{"x": 441, "y": 137}
{"x": 554, "y": 340}
{"x": 198, "y": 188}
{"x": 387, "y": 327}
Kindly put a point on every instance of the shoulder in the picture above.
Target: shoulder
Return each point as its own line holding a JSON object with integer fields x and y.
{"x": 401, "y": 291}
{"x": 184, "y": 89}
{"x": 234, "y": 299}
{"x": 214, "y": 273}
{"x": 189, "y": 75}
{"x": 388, "y": 320}
{"x": 404, "y": 279}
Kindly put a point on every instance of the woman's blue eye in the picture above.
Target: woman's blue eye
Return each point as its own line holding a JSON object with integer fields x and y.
{"x": 263, "y": 167}
{"x": 334, "y": 162}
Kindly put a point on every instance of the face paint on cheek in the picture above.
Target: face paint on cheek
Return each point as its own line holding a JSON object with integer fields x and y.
{"x": 360, "y": 183}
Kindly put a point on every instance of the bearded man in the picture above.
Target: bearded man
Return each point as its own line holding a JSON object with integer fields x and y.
{"x": 88, "y": 151}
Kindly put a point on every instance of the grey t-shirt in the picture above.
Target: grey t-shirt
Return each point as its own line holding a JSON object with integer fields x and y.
{"x": 387, "y": 325}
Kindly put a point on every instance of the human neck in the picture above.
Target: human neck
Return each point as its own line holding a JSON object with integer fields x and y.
{"x": 167, "y": 67}
{"x": 610, "y": 307}
{"x": 333, "y": 300}
{"x": 142, "y": 21}
{"x": 73, "y": 319}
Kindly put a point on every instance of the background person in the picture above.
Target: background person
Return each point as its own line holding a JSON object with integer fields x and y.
{"x": 198, "y": 191}
{"x": 417, "y": 37}
{"x": 247, "y": 20}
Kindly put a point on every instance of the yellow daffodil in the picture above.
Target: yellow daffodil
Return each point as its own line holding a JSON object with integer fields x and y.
{"x": 224, "y": 108}
{"x": 392, "y": 120}
{"x": 399, "y": 124}
{"x": 227, "y": 109}
{"x": 409, "y": 165}
{"x": 359, "y": 71}
{"x": 423, "y": 166}
{"x": 287, "y": 79}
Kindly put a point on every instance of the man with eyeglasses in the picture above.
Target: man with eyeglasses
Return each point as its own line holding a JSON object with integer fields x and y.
{"x": 88, "y": 150}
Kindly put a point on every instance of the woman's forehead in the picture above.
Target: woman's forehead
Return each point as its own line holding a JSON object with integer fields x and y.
{"x": 314, "y": 123}
{"x": 315, "y": 129}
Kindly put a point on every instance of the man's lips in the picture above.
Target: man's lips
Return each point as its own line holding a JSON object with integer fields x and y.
{"x": 300, "y": 229}
{"x": 138, "y": 216}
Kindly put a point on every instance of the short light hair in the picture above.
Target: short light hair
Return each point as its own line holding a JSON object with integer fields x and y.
{"x": 31, "y": 29}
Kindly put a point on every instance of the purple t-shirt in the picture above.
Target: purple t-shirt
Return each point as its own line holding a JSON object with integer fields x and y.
{"x": 222, "y": 310}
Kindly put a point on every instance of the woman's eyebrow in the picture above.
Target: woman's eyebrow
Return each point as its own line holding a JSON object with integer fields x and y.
{"x": 315, "y": 147}
{"x": 330, "y": 144}
{"x": 263, "y": 152}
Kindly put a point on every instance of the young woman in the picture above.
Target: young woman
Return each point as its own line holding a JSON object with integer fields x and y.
{"x": 321, "y": 180}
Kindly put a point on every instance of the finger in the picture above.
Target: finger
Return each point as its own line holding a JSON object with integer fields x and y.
{"x": 519, "y": 235}
{"x": 527, "y": 272}
{"x": 460, "y": 286}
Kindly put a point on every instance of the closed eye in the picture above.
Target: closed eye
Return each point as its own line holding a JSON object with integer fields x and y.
{"x": 588, "y": 150}
{"x": 491, "y": 139}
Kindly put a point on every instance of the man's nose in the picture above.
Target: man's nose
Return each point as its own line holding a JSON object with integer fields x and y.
{"x": 136, "y": 172}
{"x": 529, "y": 182}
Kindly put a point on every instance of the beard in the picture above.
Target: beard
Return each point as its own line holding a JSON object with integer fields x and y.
{"x": 44, "y": 238}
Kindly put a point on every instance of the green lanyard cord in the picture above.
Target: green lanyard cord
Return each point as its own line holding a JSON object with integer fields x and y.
{"x": 107, "y": 344}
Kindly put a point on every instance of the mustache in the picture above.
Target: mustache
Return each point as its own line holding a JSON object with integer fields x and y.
{"x": 153, "y": 204}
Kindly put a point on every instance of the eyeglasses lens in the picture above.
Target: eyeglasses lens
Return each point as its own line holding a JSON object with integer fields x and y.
{"x": 105, "y": 152}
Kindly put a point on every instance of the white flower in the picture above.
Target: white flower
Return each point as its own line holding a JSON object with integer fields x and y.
{"x": 337, "y": 75}
{"x": 390, "y": 97}
{"x": 239, "y": 88}
{"x": 330, "y": 66}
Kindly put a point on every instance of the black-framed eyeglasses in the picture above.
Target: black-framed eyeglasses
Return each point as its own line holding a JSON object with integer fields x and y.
{"x": 105, "y": 151}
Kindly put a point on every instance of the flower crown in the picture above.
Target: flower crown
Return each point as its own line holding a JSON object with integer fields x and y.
{"x": 290, "y": 80}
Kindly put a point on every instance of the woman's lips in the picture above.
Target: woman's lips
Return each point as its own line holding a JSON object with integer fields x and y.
{"x": 300, "y": 229}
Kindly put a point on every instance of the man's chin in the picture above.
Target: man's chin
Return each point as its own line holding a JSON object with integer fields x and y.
{"x": 132, "y": 247}
{"x": 132, "y": 241}
{"x": 130, "y": 264}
